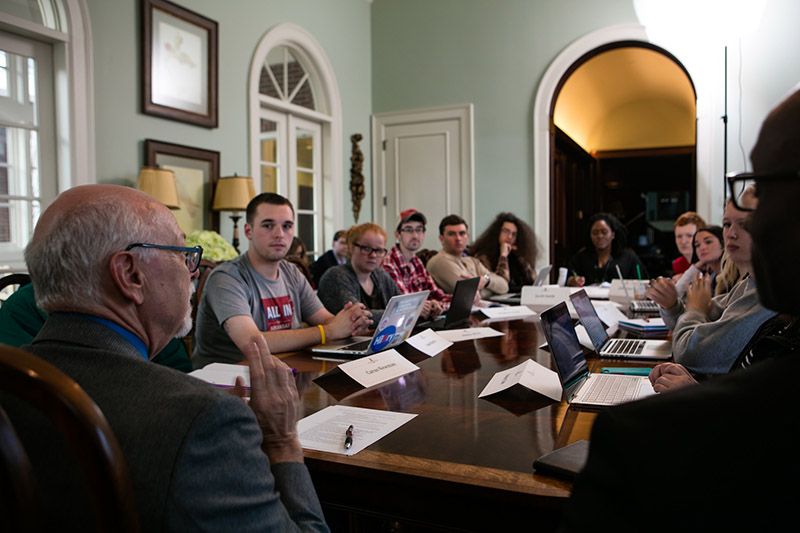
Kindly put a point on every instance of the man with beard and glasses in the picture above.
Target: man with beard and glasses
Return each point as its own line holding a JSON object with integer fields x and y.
{"x": 719, "y": 455}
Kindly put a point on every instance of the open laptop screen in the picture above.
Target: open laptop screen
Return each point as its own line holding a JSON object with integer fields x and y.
{"x": 567, "y": 351}
{"x": 594, "y": 327}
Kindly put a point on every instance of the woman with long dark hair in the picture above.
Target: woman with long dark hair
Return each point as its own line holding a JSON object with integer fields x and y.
{"x": 607, "y": 250}
{"x": 508, "y": 248}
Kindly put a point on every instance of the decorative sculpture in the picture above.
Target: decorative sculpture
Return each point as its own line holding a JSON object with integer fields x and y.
{"x": 356, "y": 177}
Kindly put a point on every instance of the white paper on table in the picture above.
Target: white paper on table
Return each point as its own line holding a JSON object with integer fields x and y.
{"x": 222, "y": 374}
{"x": 583, "y": 337}
{"x": 508, "y": 312}
{"x": 530, "y": 375}
{"x": 429, "y": 342}
{"x": 378, "y": 367}
{"x": 469, "y": 334}
{"x": 610, "y": 314}
{"x": 325, "y": 430}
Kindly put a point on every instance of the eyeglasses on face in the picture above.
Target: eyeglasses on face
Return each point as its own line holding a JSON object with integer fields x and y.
{"x": 366, "y": 250}
{"x": 191, "y": 254}
{"x": 740, "y": 183}
{"x": 409, "y": 230}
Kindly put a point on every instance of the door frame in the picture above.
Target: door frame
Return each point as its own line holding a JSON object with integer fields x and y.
{"x": 463, "y": 113}
{"x": 709, "y": 162}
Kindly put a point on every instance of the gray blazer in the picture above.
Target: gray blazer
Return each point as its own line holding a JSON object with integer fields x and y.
{"x": 194, "y": 452}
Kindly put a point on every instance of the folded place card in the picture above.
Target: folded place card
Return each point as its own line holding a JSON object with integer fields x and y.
{"x": 222, "y": 374}
{"x": 469, "y": 334}
{"x": 508, "y": 312}
{"x": 429, "y": 342}
{"x": 378, "y": 367}
{"x": 529, "y": 375}
{"x": 545, "y": 297}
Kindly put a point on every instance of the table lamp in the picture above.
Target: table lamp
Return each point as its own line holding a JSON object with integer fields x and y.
{"x": 233, "y": 193}
{"x": 160, "y": 184}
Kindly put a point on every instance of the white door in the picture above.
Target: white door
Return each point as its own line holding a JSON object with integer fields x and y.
{"x": 423, "y": 159}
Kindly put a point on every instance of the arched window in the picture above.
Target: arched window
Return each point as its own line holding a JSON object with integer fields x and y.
{"x": 295, "y": 130}
{"x": 46, "y": 145}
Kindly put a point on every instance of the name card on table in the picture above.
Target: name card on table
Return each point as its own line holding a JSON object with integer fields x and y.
{"x": 510, "y": 312}
{"x": 529, "y": 375}
{"x": 378, "y": 367}
{"x": 429, "y": 343}
{"x": 545, "y": 297}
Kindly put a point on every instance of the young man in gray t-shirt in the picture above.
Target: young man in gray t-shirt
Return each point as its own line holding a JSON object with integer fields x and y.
{"x": 261, "y": 294}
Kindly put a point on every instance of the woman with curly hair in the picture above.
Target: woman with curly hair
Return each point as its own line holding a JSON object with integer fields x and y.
{"x": 508, "y": 248}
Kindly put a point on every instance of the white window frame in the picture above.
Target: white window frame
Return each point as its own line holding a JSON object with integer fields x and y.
{"x": 73, "y": 79}
{"x": 328, "y": 115}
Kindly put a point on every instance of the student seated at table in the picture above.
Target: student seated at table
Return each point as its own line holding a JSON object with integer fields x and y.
{"x": 706, "y": 258}
{"x": 607, "y": 249}
{"x": 407, "y": 269}
{"x": 685, "y": 227}
{"x": 260, "y": 293}
{"x": 708, "y": 334}
{"x": 362, "y": 280}
{"x": 508, "y": 248}
{"x": 337, "y": 255}
{"x": 450, "y": 264}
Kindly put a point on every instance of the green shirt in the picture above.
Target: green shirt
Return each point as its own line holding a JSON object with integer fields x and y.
{"x": 21, "y": 320}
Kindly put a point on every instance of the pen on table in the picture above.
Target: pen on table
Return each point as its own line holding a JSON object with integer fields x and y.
{"x": 348, "y": 437}
{"x": 619, "y": 273}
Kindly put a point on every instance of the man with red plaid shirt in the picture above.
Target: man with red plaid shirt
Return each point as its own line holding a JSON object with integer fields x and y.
{"x": 407, "y": 270}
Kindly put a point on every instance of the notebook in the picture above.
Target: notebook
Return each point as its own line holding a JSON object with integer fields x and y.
{"x": 395, "y": 326}
{"x": 567, "y": 461}
{"x": 460, "y": 307}
{"x": 618, "y": 348}
{"x": 581, "y": 387}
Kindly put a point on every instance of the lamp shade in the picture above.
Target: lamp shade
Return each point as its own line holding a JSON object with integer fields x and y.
{"x": 233, "y": 193}
{"x": 160, "y": 184}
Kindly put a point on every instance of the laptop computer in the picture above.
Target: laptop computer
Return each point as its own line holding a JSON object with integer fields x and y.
{"x": 395, "y": 326}
{"x": 618, "y": 348}
{"x": 582, "y": 387}
{"x": 460, "y": 307}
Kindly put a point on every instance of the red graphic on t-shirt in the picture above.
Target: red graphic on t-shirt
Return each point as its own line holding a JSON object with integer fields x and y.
{"x": 279, "y": 312}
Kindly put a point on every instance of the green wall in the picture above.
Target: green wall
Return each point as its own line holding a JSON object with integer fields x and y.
{"x": 493, "y": 53}
{"x": 342, "y": 28}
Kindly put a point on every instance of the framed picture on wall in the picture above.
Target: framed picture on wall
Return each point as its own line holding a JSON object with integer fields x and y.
{"x": 196, "y": 175}
{"x": 179, "y": 64}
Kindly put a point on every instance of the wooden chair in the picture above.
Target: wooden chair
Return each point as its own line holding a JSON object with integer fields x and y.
{"x": 206, "y": 267}
{"x": 86, "y": 432}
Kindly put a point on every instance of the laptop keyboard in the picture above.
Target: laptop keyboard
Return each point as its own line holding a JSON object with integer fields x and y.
{"x": 625, "y": 347}
{"x": 609, "y": 390}
{"x": 359, "y": 346}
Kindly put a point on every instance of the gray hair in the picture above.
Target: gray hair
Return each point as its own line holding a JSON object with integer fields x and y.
{"x": 69, "y": 263}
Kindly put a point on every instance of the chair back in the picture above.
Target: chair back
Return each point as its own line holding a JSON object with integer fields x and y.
{"x": 86, "y": 431}
{"x": 10, "y": 280}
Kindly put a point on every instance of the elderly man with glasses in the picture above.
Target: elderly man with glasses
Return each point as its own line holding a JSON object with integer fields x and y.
{"x": 110, "y": 267}
{"x": 407, "y": 270}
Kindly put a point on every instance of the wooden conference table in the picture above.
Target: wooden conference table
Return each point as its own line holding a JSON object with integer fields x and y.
{"x": 464, "y": 462}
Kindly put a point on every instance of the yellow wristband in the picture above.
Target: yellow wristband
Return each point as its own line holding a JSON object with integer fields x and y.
{"x": 321, "y": 334}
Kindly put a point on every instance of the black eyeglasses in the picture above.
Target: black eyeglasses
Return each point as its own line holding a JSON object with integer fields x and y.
{"x": 740, "y": 183}
{"x": 366, "y": 250}
{"x": 191, "y": 254}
